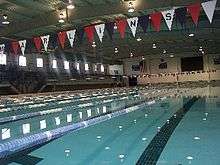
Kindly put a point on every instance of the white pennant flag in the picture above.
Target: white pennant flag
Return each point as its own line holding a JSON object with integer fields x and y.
{"x": 22, "y": 44}
{"x": 209, "y": 8}
{"x": 45, "y": 40}
{"x": 168, "y": 16}
{"x": 2, "y": 48}
{"x": 71, "y": 36}
{"x": 100, "y": 31}
{"x": 133, "y": 23}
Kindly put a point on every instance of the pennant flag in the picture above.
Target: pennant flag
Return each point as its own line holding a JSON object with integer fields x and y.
{"x": 62, "y": 38}
{"x": 143, "y": 22}
{"x": 7, "y": 46}
{"x": 15, "y": 46}
{"x": 22, "y": 44}
{"x": 71, "y": 36}
{"x": 37, "y": 43}
{"x": 121, "y": 26}
{"x": 133, "y": 23}
{"x": 194, "y": 11}
{"x": 100, "y": 31}
{"x": 54, "y": 41}
{"x": 181, "y": 15}
{"x": 110, "y": 28}
{"x": 156, "y": 20}
{"x": 2, "y": 48}
{"x": 80, "y": 34}
{"x": 45, "y": 41}
{"x": 168, "y": 17}
{"x": 209, "y": 8}
{"x": 90, "y": 33}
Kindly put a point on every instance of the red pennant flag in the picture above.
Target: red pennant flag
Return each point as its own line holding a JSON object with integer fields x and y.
{"x": 37, "y": 42}
{"x": 156, "y": 20}
{"x": 15, "y": 46}
{"x": 62, "y": 38}
{"x": 194, "y": 11}
{"x": 121, "y": 25}
{"x": 90, "y": 33}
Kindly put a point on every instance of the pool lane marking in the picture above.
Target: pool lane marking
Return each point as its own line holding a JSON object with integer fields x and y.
{"x": 153, "y": 151}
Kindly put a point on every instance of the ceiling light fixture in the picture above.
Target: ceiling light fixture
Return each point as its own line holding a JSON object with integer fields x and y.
{"x": 139, "y": 39}
{"x": 131, "y": 54}
{"x": 115, "y": 26}
{"x": 93, "y": 44}
{"x": 116, "y": 50}
{"x": 130, "y": 7}
{"x": 61, "y": 20}
{"x": 164, "y": 51}
{"x": 191, "y": 35}
{"x": 143, "y": 58}
{"x": 154, "y": 46}
{"x": 5, "y": 20}
{"x": 70, "y": 5}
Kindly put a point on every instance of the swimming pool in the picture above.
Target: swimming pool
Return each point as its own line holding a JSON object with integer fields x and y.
{"x": 123, "y": 127}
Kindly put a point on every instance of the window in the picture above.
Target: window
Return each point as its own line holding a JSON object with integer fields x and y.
{"x": 57, "y": 120}
{"x": 26, "y": 128}
{"x": 54, "y": 64}
{"x": 102, "y": 68}
{"x": 77, "y": 66}
{"x": 43, "y": 124}
{"x": 69, "y": 118}
{"x": 66, "y": 65}
{"x": 22, "y": 61}
{"x": 86, "y": 67}
{"x": 6, "y": 133}
{"x": 40, "y": 63}
{"x": 95, "y": 68}
{"x": 2, "y": 59}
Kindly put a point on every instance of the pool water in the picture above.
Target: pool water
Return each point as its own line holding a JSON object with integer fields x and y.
{"x": 123, "y": 139}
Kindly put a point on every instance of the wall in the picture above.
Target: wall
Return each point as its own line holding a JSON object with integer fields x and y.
{"x": 173, "y": 66}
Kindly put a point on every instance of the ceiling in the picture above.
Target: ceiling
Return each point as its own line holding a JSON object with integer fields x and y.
{"x": 37, "y": 17}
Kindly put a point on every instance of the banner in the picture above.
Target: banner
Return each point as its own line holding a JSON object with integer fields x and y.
{"x": 168, "y": 17}
{"x": 37, "y": 43}
{"x": 143, "y": 22}
{"x": 22, "y": 44}
{"x": 71, "y": 36}
{"x": 109, "y": 26}
{"x": 133, "y": 23}
{"x": 181, "y": 15}
{"x": 209, "y": 8}
{"x": 100, "y": 31}
{"x": 156, "y": 20}
{"x": 2, "y": 48}
{"x": 62, "y": 38}
{"x": 45, "y": 41}
{"x": 194, "y": 11}
{"x": 89, "y": 30}
{"x": 15, "y": 46}
{"x": 121, "y": 26}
